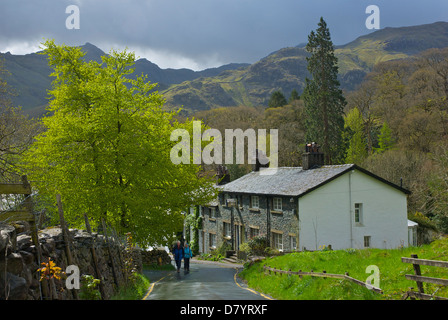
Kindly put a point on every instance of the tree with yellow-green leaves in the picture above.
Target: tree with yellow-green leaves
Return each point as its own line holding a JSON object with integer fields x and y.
{"x": 106, "y": 149}
{"x": 357, "y": 148}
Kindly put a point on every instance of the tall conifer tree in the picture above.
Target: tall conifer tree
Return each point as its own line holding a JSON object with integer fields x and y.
{"x": 324, "y": 101}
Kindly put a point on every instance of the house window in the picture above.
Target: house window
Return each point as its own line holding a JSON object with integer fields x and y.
{"x": 293, "y": 242}
{"x": 227, "y": 230}
{"x": 277, "y": 204}
{"x": 254, "y": 202}
{"x": 226, "y": 197}
{"x": 253, "y": 232}
{"x": 277, "y": 241}
{"x": 212, "y": 240}
{"x": 366, "y": 241}
{"x": 358, "y": 213}
{"x": 212, "y": 213}
{"x": 240, "y": 201}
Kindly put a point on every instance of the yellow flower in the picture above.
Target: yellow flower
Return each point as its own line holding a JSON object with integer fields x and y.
{"x": 49, "y": 270}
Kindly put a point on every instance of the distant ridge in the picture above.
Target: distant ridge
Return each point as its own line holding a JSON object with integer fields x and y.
{"x": 29, "y": 75}
{"x": 238, "y": 83}
{"x": 285, "y": 69}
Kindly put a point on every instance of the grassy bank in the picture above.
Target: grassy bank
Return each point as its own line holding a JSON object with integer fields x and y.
{"x": 392, "y": 273}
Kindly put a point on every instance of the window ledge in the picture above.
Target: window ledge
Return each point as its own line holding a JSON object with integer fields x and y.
{"x": 276, "y": 211}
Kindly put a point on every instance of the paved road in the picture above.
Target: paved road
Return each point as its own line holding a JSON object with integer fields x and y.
{"x": 205, "y": 281}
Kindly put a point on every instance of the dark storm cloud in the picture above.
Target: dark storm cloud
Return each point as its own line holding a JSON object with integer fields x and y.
{"x": 204, "y": 31}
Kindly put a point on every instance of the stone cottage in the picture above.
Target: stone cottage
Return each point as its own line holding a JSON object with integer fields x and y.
{"x": 307, "y": 207}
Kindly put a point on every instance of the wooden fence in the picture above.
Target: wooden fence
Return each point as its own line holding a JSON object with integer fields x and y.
{"x": 24, "y": 212}
{"x": 419, "y": 279}
{"x": 324, "y": 274}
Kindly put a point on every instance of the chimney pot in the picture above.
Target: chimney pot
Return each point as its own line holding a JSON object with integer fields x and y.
{"x": 312, "y": 158}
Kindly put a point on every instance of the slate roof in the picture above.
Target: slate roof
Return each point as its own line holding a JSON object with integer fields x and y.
{"x": 292, "y": 181}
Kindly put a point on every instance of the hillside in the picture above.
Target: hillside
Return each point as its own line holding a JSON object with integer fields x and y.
{"x": 285, "y": 69}
{"x": 239, "y": 84}
{"x": 391, "y": 273}
{"x": 29, "y": 75}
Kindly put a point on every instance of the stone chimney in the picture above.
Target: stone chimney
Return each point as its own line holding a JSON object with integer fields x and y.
{"x": 312, "y": 158}
{"x": 222, "y": 175}
{"x": 264, "y": 163}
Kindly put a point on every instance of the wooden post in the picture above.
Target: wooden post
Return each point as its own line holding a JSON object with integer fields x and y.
{"x": 95, "y": 260}
{"x": 66, "y": 238}
{"x": 418, "y": 273}
{"x": 110, "y": 254}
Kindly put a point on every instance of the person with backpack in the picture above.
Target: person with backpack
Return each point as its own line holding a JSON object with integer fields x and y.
{"x": 187, "y": 255}
{"x": 178, "y": 254}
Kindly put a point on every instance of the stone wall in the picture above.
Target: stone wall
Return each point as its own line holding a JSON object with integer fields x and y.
{"x": 19, "y": 261}
{"x": 155, "y": 257}
{"x": 283, "y": 223}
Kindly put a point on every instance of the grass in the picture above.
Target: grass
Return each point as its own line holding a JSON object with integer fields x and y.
{"x": 137, "y": 289}
{"x": 134, "y": 290}
{"x": 392, "y": 273}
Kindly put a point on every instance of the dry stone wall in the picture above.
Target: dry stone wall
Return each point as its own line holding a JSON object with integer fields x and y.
{"x": 19, "y": 261}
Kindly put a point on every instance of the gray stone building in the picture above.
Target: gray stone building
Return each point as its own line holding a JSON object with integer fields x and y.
{"x": 315, "y": 205}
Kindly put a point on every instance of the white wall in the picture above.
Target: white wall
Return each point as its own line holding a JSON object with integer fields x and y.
{"x": 327, "y": 214}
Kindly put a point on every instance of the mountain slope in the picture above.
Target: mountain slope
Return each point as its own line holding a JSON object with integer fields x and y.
{"x": 240, "y": 84}
{"x": 29, "y": 75}
{"x": 285, "y": 69}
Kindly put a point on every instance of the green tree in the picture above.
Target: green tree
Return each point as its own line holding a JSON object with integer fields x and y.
{"x": 324, "y": 101}
{"x": 385, "y": 139}
{"x": 357, "y": 149}
{"x": 294, "y": 96}
{"x": 16, "y": 131}
{"x": 277, "y": 100}
{"x": 106, "y": 149}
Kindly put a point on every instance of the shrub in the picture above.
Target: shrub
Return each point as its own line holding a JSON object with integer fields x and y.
{"x": 256, "y": 246}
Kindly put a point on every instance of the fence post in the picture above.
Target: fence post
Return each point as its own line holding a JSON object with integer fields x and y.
{"x": 95, "y": 260}
{"x": 66, "y": 239}
{"x": 417, "y": 273}
{"x": 114, "y": 272}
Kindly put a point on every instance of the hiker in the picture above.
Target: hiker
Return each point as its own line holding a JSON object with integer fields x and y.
{"x": 178, "y": 254}
{"x": 187, "y": 255}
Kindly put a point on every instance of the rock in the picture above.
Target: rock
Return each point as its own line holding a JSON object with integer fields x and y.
{"x": 16, "y": 287}
{"x": 28, "y": 258}
{"x": 8, "y": 232}
{"x": 23, "y": 241}
{"x": 14, "y": 263}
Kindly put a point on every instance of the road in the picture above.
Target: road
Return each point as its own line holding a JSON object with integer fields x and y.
{"x": 204, "y": 281}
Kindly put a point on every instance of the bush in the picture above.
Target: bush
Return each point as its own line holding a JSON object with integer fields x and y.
{"x": 256, "y": 246}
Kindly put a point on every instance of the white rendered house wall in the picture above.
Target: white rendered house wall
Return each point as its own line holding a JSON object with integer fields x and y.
{"x": 327, "y": 214}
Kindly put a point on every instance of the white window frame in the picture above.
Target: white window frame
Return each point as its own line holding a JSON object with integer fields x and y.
{"x": 212, "y": 240}
{"x": 227, "y": 229}
{"x": 277, "y": 204}
{"x": 255, "y": 202}
{"x": 367, "y": 241}
{"x": 277, "y": 241}
{"x": 293, "y": 243}
{"x": 212, "y": 212}
{"x": 253, "y": 232}
{"x": 358, "y": 214}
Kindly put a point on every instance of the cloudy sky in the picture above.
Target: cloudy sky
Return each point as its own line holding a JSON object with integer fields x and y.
{"x": 197, "y": 34}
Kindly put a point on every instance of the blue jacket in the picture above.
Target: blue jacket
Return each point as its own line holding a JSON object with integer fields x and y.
{"x": 178, "y": 253}
{"x": 187, "y": 253}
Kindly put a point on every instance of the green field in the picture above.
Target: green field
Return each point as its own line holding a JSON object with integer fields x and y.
{"x": 391, "y": 280}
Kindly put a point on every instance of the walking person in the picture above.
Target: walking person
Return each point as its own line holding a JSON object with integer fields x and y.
{"x": 178, "y": 254}
{"x": 187, "y": 255}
